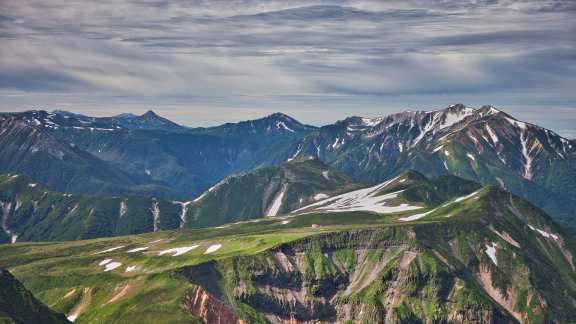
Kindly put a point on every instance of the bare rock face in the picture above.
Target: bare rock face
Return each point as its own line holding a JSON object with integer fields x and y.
{"x": 209, "y": 308}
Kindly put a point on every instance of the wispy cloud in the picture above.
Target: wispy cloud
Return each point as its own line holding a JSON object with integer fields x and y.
{"x": 209, "y": 61}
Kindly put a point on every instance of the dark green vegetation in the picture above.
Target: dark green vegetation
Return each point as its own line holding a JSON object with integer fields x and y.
{"x": 268, "y": 191}
{"x": 30, "y": 212}
{"x": 17, "y": 305}
{"x": 472, "y": 255}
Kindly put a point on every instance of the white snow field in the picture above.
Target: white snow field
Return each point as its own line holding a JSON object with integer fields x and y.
{"x": 178, "y": 251}
{"x": 213, "y": 248}
{"x": 139, "y": 249}
{"x": 366, "y": 199}
{"x": 491, "y": 251}
{"x": 111, "y": 266}
{"x": 111, "y": 249}
{"x": 277, "y": 203}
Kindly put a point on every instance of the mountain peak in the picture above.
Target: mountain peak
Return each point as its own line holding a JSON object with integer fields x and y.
{"x": 150, "y": 114}
{"x": 281, "y": 116}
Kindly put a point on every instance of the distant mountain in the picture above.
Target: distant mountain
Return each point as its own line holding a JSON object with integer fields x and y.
{"x": 18, "y": 305}
{"x": 274, "y": 125}
{"x": 269, "y": 191}
{"x": 484, "y": 145}
{"x": 140, "y": 154}
{"x": 29, "y": 146}
{"x": 148, "y": 121}
{"x": 149, "y": 155}
{"x": 189, "y": 161}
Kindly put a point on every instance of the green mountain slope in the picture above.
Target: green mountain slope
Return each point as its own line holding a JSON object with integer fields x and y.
{"x": 468, "y": 255}
{"x": 18, "y": 305}
{"x": 30, "y": 212}
{"x": 269, "y": 191}
{"x": 484, "y": 145}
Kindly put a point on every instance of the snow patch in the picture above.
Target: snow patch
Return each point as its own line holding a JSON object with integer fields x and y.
{"x": 285, "y": 222}
{"x": 104, "y": 262}
{"x": 366, "y": 199}
{"x": 213, "y": 188}
{"x": 527, "y": 174}
{"x": 459, "y": 199}
{"x": 282, "y": 125}
{"x": 491, "y": 251}
{"x": 178, "y": 251}
{"x": 277, "y": 203}
{"x": 111, "y": 249}
{"x": 516, "y": 123}
{"x": 111, "y": 266}
{"x": 184, "y": 206}
{"x": 295, "y": 154}
{"x": 326, "y": 174}
{"x": 156, "y": 214}
{"x": 320, "y": 196}
{"x": 437, "y": 149}
{"x": 471, "y": 157}
{"x": 123, "y": 208}
{"x": 32, "y": 185}
{"x": 148, "y": 172}
{"x": 492, "y": 134}
{"x": 138, "y": 249}
{"x": 130, "y": 269}
{"x": 547, "y": 235}
{"x": 506, "y": 237}
{"x": 213, "y": 248}
{"x": 371, "y": 122}
{"x": 415, "y": 217}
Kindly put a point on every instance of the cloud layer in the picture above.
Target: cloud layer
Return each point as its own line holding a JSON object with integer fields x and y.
{"x": 208, "y": 61}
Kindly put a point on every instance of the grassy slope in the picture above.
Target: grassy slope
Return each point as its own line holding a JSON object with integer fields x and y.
{"x": 37, "y": 214}
{"x": 250, "y": 195}
{"x": 55, "y": 270}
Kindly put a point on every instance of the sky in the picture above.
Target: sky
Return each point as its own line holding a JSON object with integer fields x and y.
{"x": 206, "y": 62}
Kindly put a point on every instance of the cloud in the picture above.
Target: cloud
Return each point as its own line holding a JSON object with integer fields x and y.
{"x": 308, "y": 57}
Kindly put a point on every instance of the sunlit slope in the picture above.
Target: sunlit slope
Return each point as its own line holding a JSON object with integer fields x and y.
{"x": 480, "y": 254}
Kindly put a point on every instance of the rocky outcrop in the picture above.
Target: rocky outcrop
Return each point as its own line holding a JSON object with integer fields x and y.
{"x": 378, "y": 276}
{"x": 210, "y": 309}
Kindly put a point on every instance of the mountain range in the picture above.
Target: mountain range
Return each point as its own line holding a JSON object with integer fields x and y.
{"x": 458, "y": 215}
{"x": 148, "y": 155}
